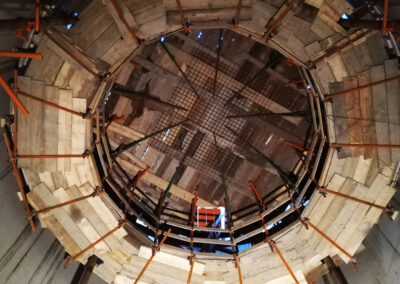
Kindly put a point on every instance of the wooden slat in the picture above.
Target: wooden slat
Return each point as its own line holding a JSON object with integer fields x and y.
{"x": 24, "y": 135}
{"x": 76, "y": 214}
{"x": 393, "y": 98}
{"x": 381, "y": 116}
{"x": 94, "y": 219}
{"x": 50, "y": 129}
{"x": 64, "y": 130}
{"x": 366, "y": 107}
{"x": 339, "y": 119}
{"x": 37, "y": 126}
{"x": 60, "y": 214}
{"x": 102, "y": 210}
{"x": 353, "y": 113}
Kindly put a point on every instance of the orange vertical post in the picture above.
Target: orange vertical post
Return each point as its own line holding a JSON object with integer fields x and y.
{"x": 152, "y": 256}
{"x": 271, "y": 242}
{"x": 37, "y": 15}
{"x": 15, "y": 112}
{"x": 21, "y": 189}
{"x": 384, "y": 22}
{"x": 239, "y": 7}
{"x": 13, "y": 96}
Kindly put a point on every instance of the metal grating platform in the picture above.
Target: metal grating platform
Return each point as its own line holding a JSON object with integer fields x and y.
{"x": 205, "y": 142}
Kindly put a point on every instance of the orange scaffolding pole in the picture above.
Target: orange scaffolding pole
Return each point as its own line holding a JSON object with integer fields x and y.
{"x": 239, "y": 7}
{"x": 13, "y": 96}
{"x": 284, "y": 262}
{"x": 152, "y": 256}
{"x": 134, "y": 37}
{"x": 21, "y": 189}
{"x": 293, "y": 83}
{"x": 44, "y": 210}
{"x": 192, "y": 216}
{"x": 37, "y": 15}
{"x": 326, "y": 190}
{"x": 21, "y": 54}
{"x": 15, "y": 112}
{"x": 361, "y": 87}
{"x": 271, "y": 242}
{"x": 280, "y": 18}
{"x": 307, "y": 221}
{"x": 53, "y": 104}
{"x": 121, "y": 224}
{"x": 335, "y": 50}
{"x": 297, "y": 146}
{"x": 340, "y": 145}
{"x": 254, "y": 188}
{"x": 384, "y": 22}
{"x": 183, "y": 22}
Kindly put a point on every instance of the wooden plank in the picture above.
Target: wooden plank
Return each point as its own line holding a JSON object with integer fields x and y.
{"x": 76, "y": 214}
{"x": 363, "y": 55}
{"x": 118, "y": 20}
{"x": 325, "y": 75}
{"x": 24, "y": 135}
{"x": 47, "y": 68}
{"x": 60, "y": 180}
{"x": 350, "y": 60}
{"x": 393, "y": 98}
{"x": 330, "y": 215}
{"x": 346, "y": 236}
{"x": 103, "y": 211}
{"x": 319, "y": 204}
{"x": 338, "y": 69}
{"x": 381, "y": 116}
{"x": 171, "y": 260}
{"x": 157, "y": 272}
{"x": 63, "y": 218}
{"x": 339, "y": 222}
{"x": 51, "y": 222}
{"x": 50, "y": 129}
{"x": 370, "y": 219}
{"x": 64, "y": 130}
{"x": 366, "y": 107}
{"x": 94, "y": 219}
{"x": 162, "y": 183}
{"x": 78, "y": 131}
{"x": 339, "y": 119}
{"x": 37, "y": 118}
{"x": 47, "y": 179}
{"x": 353, "y": 115}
